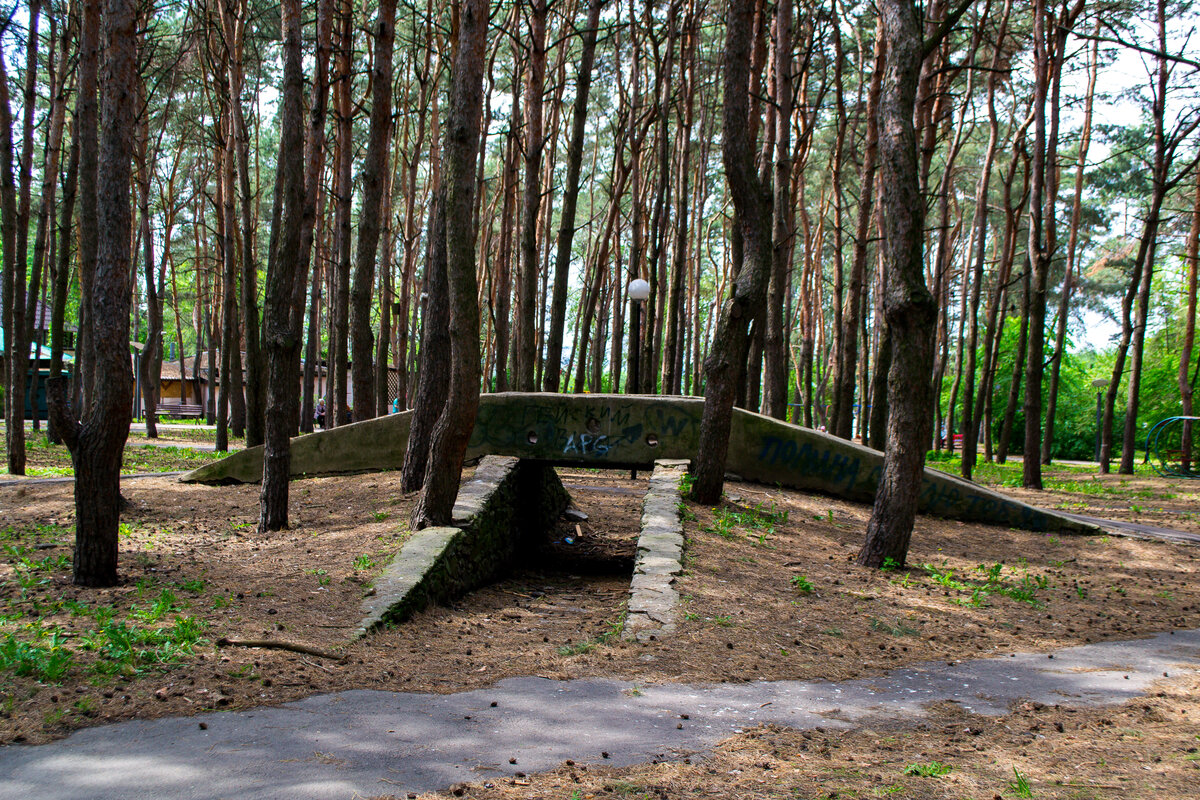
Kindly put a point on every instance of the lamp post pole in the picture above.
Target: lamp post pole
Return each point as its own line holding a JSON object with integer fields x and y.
{"x": 638, "y": 290}
{"x": 1100, "y": 385}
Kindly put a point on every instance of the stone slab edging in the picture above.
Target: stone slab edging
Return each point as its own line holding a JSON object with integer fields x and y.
{"x": 496, "y": 516}
{"x": 652, "y": 595}
{"x": 633, "y": 431}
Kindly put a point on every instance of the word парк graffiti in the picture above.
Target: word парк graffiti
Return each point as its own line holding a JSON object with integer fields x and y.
{"x": 824, "y": 463}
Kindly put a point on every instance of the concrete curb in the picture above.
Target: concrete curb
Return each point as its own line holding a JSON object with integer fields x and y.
{"x": 496, "y": 514}
{"x": 652, "y": 596}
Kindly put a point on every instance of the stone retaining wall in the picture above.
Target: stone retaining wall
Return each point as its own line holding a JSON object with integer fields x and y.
{"x": 652, "y": 595}
{"x": 498, "y": 516}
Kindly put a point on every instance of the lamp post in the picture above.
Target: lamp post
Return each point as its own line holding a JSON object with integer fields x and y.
{"x": 1100, "y": 384}
{"x": 638, "y": 290}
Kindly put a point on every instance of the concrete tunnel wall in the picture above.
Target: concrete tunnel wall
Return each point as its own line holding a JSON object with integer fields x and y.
{"x": 624, "y": 431}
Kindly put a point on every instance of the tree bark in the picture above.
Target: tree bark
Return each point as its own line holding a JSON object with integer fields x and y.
{"x": 374, "y": 178}
{"x": 1064, "y": 302}
{"x": 454, "y": 427}
{"x": 340, "y": 410}
{"x": 843, "y": 392}
{"x": 314, "y": 199}
{"x": 775, "y": 384}
{"x": 433, "y": 385}
{"x": 1191, "y": 252}
{"x": 281, "y": 334}
{"x": 751, "y": 203}
{"x": 552, "y": 375}
{"x": 908, "y": 306}
{"x": 97, "y": 443}
{"x": 524, "y": 346}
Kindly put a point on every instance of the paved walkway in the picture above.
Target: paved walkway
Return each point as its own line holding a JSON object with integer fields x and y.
{"x": 364, "y": 743}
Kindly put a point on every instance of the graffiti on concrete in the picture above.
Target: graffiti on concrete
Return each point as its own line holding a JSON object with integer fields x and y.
{"x": 825, "y": 464}
{"x": 591, "y": 431}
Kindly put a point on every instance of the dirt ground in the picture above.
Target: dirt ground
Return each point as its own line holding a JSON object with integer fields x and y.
{"x": 1146, "y": 749}
{"x": 770, "y": 591}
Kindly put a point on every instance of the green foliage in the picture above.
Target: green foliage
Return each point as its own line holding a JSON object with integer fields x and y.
{"x": 932, "y": 769}
{"x": 802, "y": 584}
{"x": 728, "y": 520}
{"x": 364, "y": 562}
{"x": 128, "y": 649}
{"x": 899, "y": 629}
{"x": 1019, "y": 785}
{"x": 1017, "y": 585}
{"x": 44, "y": 659}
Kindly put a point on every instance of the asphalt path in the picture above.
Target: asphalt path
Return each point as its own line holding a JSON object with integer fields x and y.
{"x": 364, "y": 743}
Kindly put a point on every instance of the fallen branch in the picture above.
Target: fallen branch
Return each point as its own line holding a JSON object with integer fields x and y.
{"x": 275, "y": 644}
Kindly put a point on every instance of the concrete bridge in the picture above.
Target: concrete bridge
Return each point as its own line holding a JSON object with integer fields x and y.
{"x": 633, "y": 431}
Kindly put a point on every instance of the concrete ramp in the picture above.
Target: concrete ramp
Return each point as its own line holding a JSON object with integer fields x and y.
{"x": 633, "y": 431}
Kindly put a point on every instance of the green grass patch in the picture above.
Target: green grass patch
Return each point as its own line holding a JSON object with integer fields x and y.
{"x": 976, "y": 587}
{"x": 757, "y": 522}
{"x": 932, "y": 769}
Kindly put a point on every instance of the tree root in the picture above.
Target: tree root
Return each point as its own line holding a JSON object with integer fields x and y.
{"x": 275, "y": 644}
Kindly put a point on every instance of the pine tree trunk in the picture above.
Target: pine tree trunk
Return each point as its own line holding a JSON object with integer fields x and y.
{"x": 775, "y": 391}
{"x": 908, "y": 306}
{"x": 552, "y": 375}
{"x": 281, "y": 334}
{"x": 454, "y": 427}
{"x": 374, "y": 178}
{"x": 433, "y": 386}
{"x": 751, "y": 202}
{"x": 340, "y": 411}
{"x": 1192, "y": 251}
{"x": 524, "y": 345}
{"x": 1064, "y": 303}
{"x": 843, "y": 391}
{"x": 97, "y": 444}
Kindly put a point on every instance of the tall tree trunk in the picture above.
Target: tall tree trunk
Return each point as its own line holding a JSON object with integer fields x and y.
{"x": 1164, "y": 151}
{"x": 454, "y": 427}
{"x": 1064, "y": 302}
{"x": 314, "y": 208}
{"x": 340, "y": 409}
{"x": 281, "y": 334}
{"x": 97, "y": 444}
{"x": 503, "y": 291}
{"x": 43, "y": 239}
{"x": 566, "y": 231}
{"x": 60, "y": 270}
{"x": 676, "y": 323}
{"x": 87, "y": 128}
{"x": 1019, "y": 364}
{"x": 1191, "y": 252}
{"x": 908, "y": 306}
{"x": 151, "y": 360}
{"x": 843, "y": 392}
{"x": 234, "y": 22}
{"x": 16, "y": 248}
{"x": 433, "y": 385}
{"x": 751, "y": 203}
{"x": 970, "y": 419}
{"x": 374, "y": 178}
{"x": 524, "y": 345}
{"x": 1049, "y": 47}
{"x": 229, "y": 308}
{"x": 775, "y": 392}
